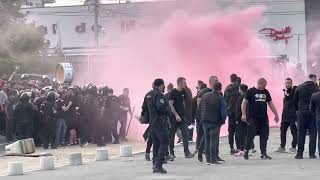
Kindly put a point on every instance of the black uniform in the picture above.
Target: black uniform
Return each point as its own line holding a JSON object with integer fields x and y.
{"x": 23, "y": 115}
{"x": 111, "y": 108}
{"x": 48, "y": 124}
{"x": 231, "y": 95}
{"x": 289, "y": 118}
{"x": 37, "y": 125}
{"x": 91, "y": 112}
{"x": 306, "y": 120}
{"x": 157, "y": 108}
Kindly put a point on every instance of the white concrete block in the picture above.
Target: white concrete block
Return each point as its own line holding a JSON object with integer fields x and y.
{"x": 46, "y": 163}
{"x": 15, "y": 168}
{"x": 125, "y": 151}
{"x": 102, "y": 155}
{"x": 75, "y": 159}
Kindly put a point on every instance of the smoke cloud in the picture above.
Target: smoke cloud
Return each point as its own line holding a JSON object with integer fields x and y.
{"x": 192, "y": 46}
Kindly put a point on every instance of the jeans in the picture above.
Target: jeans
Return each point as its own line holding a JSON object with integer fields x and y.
{"x": 149, "y": 145}
{"x": 284, "y": 127}
{"x": 199, "y": 134}
{"x": 185, "y": 136}
{"x": 60, "y": 131}
{"x": 307, "y": 121}
{"x": 258, "y": 127}
{"x": 160, "y": 138}
{"x": 211, "y": 136}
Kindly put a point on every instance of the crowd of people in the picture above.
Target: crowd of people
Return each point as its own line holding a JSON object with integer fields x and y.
{"x": 246, "y": 110}
{"x": 55, "y": 115}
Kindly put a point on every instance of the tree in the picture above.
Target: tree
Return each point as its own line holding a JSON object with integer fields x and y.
{"x": 18, "y": 39}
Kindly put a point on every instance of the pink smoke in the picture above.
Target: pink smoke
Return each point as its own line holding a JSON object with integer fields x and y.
{"x": 192, "y": 46}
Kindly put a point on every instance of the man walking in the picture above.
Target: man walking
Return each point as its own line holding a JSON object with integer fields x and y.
{"x": 256, "y": 100}
{"x": 213, "y": 113}
{"x": 157, "y": 108}
{"x": 315, "y": 109}
{"x": 306, "y": 120}
{"x": 177, "y": 104}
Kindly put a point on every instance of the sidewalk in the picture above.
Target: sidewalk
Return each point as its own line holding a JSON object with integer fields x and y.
{"x": 61, "y": 155}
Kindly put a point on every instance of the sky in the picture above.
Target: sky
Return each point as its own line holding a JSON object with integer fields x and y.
{"x": 80, "y": 2}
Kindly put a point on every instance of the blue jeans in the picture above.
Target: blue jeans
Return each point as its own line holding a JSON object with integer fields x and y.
{"x": 60, "y": 131}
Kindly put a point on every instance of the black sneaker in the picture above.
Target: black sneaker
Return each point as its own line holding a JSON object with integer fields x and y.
{"x": 171, "y": 157}
{"x": 266, "y": 157}
{"x": 159, "y": 170}
{"x": 189, "y": 155}
{"x": 246, "y": 155}
{"x": 147, "y": 157}
{"x": 298, "y": 157}
{"x": 313, "y": 157}
{"x": 116, "y": 142}
{"x": 233, "y": 151}
{"x": 200, "y": 159}
{"x": 220, "y": 160}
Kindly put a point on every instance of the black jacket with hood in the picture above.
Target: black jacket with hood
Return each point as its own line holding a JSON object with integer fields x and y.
{"x": 302, "y": 95}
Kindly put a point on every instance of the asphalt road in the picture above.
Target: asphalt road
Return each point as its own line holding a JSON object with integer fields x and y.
{"x": 282, "y": 167}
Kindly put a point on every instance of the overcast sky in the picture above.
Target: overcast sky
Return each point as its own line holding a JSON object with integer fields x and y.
{"x": 80, "y": 2}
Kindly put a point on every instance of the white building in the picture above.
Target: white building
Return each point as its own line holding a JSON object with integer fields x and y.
{"x": 72, "y": 27}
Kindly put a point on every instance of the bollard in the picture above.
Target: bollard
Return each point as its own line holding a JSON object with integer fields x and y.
{"x": 15, "y": 168}
{"x": 125, "y": 151}
{"x": 75, "y": 159}
{"x": 46, "y": 163}
{"x": 102, "y": 155}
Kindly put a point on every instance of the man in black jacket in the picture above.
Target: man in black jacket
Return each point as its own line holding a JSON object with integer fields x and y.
{"x": 231, "y": 95}
{"x": 213, "y": 113}
{"x": 306, "y": 120}
{"x": 289, "y": 118}
{"x": 315, "y": 109}
{"x": 158, "y": 110}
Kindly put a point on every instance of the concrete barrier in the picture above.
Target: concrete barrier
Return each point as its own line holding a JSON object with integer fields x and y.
{"x": 46, "y": 163}
{"x": 125, "y": 151}
{"x": 15, "y": 168}
{"x": 102, "y": 155}
{"x": 75, "y": 159}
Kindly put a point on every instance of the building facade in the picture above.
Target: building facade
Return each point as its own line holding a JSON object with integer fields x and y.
{"x": 72, "y": 27}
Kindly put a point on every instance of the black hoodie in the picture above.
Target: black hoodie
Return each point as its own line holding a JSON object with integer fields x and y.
{"x": 302, "y": 96}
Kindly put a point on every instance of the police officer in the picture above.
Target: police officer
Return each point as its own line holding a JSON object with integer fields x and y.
{"x": 48, "y": 121}
{"x": 37, "y": 134}
{"x": 110, "y": 109}
{"x": 158, "y": 111}
{"x": 23, "y": 114}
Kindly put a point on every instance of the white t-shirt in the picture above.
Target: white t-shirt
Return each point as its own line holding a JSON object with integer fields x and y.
{"x": 3, "y": 98}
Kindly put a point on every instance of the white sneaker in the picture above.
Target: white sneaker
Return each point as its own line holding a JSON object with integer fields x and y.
{"x": 240, "y": 153}
{"x": 253, "y": 150}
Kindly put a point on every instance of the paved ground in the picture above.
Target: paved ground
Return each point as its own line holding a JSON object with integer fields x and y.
{"x": 282, "y": 167}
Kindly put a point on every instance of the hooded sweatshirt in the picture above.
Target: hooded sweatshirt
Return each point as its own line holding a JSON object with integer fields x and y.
{"x": 302, "y": 96}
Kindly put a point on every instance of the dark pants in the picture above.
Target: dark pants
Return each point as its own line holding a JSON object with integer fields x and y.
{"x": 149, "y": 145}
{"x": 123, "y": 125}
{"x": 284, "y": 128}
{"x": 160, "y": 138}
{"x": 241, "y": 134}
{"x": 9, "y": 129}
{"x": 232, "y": 128}
{"x": 199, "y": 134}
{"x": 258, "y": 127}
{"x": 24, "y": 131}
{"x": 211, "y": 136}
{"x": 307, "y": 121}
{"x": 114, "y": 130}
{"x": 183, "y": 126}
{"x": 318, "y": 128}
{"x": 49, "y": 134}
{"x": 2, "y": 123}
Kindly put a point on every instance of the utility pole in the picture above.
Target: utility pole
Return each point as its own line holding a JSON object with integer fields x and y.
{"x": 96, "y": 22}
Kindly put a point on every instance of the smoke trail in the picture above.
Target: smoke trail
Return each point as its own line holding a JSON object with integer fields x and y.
{"x": 193, "y": 46}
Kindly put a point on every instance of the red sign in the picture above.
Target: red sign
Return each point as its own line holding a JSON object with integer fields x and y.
{"x": 278, "y": 35}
